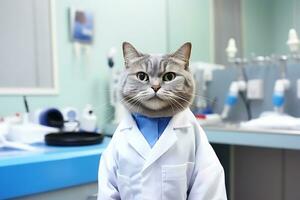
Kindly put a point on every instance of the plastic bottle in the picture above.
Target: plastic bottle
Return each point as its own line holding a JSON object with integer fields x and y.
{"x": 89, "y": 119}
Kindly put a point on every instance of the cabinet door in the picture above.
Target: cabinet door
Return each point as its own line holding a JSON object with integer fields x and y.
{"x": 258, "y": 174}
{"x": 292, "y": 175}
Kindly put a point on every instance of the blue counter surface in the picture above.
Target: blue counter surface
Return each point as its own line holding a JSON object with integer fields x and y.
{"x": 24, "y": 173}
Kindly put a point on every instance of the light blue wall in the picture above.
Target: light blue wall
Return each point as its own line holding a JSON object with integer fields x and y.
{"x": 191, "y": 20}
{"x": 144, "y": 23}
{"x": 86, "y": 82}
{"x": 266, "y": 24}
{"x": 257, "y": 27}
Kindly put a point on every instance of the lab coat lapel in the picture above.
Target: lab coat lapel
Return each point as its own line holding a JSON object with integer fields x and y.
{"x": 168, "y": 138}
{"x": 165, "y": 142}
{"x": 134, "y": 137}
{"x": 137, "y": 141}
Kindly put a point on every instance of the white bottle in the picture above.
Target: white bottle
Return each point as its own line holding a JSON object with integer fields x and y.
{"x": 88, "y": 119}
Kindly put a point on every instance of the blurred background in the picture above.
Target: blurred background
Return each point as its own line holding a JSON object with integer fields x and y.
{"x": 59, "y": 68}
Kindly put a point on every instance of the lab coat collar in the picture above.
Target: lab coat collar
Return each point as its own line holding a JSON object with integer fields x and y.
{"x": 180, "y": 120}
{"x": 165, "y": 142}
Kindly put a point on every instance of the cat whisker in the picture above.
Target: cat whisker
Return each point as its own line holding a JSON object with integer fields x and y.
{"x": 175, "y": 101}
{"x": 175, "y": 104}
{"x": 134, "y": 101}
{"x": 169, "y": 94}
{"x": 171, "y": 104}
{"x": 181, "y": 98}
{"x": 203, "y": 99}
{"x": 196, "y": 95}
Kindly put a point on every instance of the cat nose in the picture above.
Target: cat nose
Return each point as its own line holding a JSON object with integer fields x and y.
{"x": 155, "y": 87}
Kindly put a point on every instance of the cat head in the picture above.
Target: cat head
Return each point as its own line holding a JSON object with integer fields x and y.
{"x": 156, "y": 85}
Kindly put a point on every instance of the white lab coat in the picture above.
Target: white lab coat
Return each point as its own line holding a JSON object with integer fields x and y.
{"x": 181, "y": 165}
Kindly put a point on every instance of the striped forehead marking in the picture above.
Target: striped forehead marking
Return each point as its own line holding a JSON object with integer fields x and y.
{"x": 155, "y": 66}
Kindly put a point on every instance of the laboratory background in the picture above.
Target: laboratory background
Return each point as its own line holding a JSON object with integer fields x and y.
{"x": 60, "y": 63}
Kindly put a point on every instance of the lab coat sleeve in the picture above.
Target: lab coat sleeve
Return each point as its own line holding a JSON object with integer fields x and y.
{"x": 107, "y": 178}
{"x": 208, "y": 180}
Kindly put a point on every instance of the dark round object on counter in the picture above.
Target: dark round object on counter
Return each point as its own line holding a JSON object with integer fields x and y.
{"x": 81, "y": 138}
{"x": 52, "y": 117}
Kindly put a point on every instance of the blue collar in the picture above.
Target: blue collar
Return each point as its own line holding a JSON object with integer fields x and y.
{"x": 151, "y": 128}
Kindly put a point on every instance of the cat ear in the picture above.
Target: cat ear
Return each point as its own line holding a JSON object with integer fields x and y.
{"x": 183, "y": 53}
{"x": 129, "y": 53}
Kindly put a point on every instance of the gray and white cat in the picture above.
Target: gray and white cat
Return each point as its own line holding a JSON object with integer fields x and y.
{"x": 157, "y": 85}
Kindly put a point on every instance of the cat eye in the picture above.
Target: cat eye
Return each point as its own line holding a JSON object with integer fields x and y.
{"x": 142, "y": 76}
{"x": 169, "y": 76}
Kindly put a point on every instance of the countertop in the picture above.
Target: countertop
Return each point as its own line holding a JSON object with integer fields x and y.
{"x": 49, "y": 168}
{"x": 233, "y": 135}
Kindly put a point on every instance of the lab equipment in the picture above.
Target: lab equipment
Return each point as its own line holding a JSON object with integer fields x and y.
{"x": 71, "y": 119}
{"x": 26, "y": 114}
{"x": 203, "y": 75}
{"x": 281, "y": 85}
{"x": 27, "y": 132}
{"x": 80, "y": 138}
{"x": 255, "y": 89}
{"x": 293, "y": 42}
{"x": 4, "y": 143}
{"x": 237, "y": 88}
{"x": 70, "y": 114}
{"x": 204, "y": 106}
{"x": 110, "y": 57}
{"x": 115, "y": 99}
{"x": 52, "y": 117}
{"x": 232, "y": 96}
{"x": 88, "y": 121}
{"x": 231, "y": 49}
{"x": 172, "y": 161}
{"x": 276, "y": 119}
{"x": 261, "y": 60}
